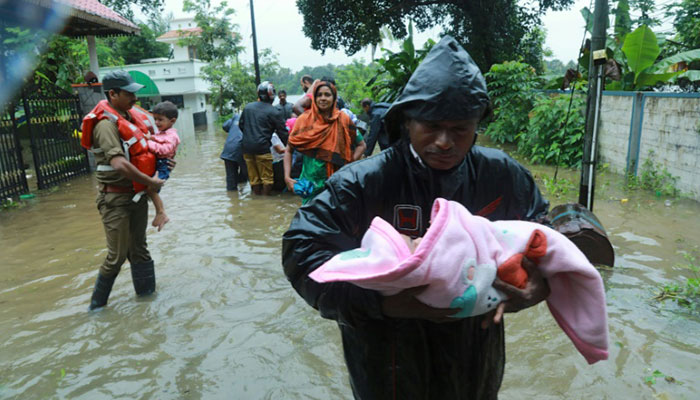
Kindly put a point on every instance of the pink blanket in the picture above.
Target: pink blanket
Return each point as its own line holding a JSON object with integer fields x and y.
{"x": 460, "y": 256}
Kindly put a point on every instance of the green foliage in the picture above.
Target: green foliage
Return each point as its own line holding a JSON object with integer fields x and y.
{"x": 511, "y": 87}
{"x": 557, "y": 187}
{"x": 686, "y": 293}
{"x": 491, "y": 31}
{"x": 218, "y": 39}
{"x": 641, "y": 49}
{"x": 151, "y": 8}
{"x": 654, "y": 177}
{"x": 351, "y": 80}
{"x": 639, "y": 68}
{"x": 545, "y": 140}
{"x": 65, "y": 60}
{"x": 686, "y": 21}
{"x": 219, "y": 44}
{"x": 396, "y": 68}
{"x": 133, "y": 49}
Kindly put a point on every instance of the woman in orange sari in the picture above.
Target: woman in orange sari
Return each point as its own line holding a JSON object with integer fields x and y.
{"x": 325, "y": 137}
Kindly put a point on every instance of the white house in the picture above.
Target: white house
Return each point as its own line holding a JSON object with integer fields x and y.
{"x": 177, "y": 79}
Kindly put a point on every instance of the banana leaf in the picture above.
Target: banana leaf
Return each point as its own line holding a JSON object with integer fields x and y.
{"x": 687, "y": 56}
{"x": 641, "y": 49}
{"x": 648, "y": 79}
{"x": 693, "y": 75}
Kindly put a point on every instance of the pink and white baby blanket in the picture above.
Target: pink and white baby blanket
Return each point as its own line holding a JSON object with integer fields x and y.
{"x": 459, "y": 258}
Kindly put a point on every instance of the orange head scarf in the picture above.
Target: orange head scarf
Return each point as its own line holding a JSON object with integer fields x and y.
{"x": 326, "y": 139}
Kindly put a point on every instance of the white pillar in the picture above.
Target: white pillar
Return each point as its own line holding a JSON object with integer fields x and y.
{"x": 92, "y": 51}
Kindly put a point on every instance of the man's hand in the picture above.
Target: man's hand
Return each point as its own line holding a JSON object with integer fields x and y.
{"x": 534, "y": 292}
{"x": 405, "y": 305}
{"x": 156, "y": 183}
{"x": 290, "y": 183}
{"x": 171, "y": 164}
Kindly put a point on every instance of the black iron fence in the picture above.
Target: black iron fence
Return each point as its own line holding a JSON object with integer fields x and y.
{"x": 13, "y": 180}
{"x": 53, "y": 121}
{"x": 47, "y": 119}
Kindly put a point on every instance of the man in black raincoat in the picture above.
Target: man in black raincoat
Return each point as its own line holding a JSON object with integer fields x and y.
{"x": 396, "y": 347}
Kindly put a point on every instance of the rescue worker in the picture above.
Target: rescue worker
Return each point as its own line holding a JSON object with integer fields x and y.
{"x": 395, "y": 346}
{"x": 124, "y": 214}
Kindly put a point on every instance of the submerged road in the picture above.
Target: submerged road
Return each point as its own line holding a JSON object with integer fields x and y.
{"x": 225, "y": 323}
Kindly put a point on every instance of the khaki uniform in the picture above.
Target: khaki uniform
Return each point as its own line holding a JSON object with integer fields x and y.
{"x": 124, "y": 221}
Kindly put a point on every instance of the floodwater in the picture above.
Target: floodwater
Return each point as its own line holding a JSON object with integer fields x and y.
{"x": 225, "y": 324}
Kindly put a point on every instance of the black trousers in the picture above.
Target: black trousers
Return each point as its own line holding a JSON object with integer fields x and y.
{"x": 235, "y": 173}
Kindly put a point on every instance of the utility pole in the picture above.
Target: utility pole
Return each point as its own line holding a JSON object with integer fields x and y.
{"x": 596, "y": 80}
{"x": 255, "y": 45}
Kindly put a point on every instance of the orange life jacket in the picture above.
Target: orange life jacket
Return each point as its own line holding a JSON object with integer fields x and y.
{"x": 131, "y": 134}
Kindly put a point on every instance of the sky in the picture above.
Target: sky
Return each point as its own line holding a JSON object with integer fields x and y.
{"x": 279, "y": 27}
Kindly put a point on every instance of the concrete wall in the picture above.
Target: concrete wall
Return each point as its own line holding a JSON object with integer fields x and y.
{"x": 633, "y": 124}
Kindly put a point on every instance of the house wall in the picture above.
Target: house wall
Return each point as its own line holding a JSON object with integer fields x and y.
{"x": 667, "y": 124}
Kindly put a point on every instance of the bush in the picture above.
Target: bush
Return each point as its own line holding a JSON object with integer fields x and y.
{"x": 545, "y": 141}
{"x": 511, "y": 87}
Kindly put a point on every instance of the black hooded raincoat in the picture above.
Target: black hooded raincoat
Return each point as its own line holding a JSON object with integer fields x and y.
{"x": 409, "y": 358}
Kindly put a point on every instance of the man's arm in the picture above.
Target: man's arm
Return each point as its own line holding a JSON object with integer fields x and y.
{"x": 129, "y": 171}
{"x": 287, "y": 164}
{"x": 301, "y": 105}
{"x": 279, "y": 127}
{"x": 359, "y": 150}
{"x": 330, "y": 224}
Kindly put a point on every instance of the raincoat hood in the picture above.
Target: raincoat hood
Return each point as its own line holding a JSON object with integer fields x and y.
{"x": 447, "y": 85}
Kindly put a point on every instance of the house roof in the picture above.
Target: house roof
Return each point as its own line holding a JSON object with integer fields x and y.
{"x": 84, "y": 17}
{"x": 179, "y": 33}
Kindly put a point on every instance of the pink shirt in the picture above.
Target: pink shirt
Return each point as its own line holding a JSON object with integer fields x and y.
{"x": 164, "y": 144}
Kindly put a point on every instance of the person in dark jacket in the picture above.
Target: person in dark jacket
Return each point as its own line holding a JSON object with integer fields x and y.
{"x": 283, "y": 106}
{"x": 377, "y": 133}
{"x": 259, "y": 120}
{"x": 395, "y": 346}
{"x": 236, "y": 171}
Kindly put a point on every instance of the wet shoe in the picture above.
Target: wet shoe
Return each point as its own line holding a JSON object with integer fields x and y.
{"x": 103, "y": 287}
{"x": 144, "y": 277}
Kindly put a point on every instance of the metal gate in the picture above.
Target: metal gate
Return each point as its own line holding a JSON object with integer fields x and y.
{"x": 53, "y": 118}
{"x": 13, "y": 181}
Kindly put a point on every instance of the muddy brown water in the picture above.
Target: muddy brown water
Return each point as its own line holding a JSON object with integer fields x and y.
{"x": 225, "y": 324}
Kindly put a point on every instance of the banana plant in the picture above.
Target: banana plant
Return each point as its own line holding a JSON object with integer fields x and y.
{"x": 640, "y": 68}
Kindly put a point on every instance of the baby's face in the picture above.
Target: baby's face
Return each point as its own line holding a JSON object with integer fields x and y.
{"x": 412, "y": 243}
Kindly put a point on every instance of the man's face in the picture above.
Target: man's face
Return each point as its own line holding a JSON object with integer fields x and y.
{"x": 305, "y": 85}
{"x": 283, "y": 98}
{"x": 122, "y": 101}
{"x": 442, "y": 144}
{"x": 366, "y": 108}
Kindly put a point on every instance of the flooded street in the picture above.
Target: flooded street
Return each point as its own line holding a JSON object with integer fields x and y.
{"x": 225, "y": 323}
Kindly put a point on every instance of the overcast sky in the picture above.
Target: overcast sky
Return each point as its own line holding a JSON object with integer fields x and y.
{"x": 279, "y": 27}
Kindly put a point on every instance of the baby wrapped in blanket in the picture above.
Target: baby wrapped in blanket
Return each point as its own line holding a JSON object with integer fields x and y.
{"x": 460, "y": 256}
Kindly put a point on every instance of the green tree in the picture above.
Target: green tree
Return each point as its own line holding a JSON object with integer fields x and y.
{"x": 219, "y": 44}
{"x": 492, "y": 31}
{"x": 133, "y": 49}
{"x": 511, "y": 87}
{"x": 396, "y": 68}
{"x": 686, "y": 22}
{"x": 151, "y": 8}
{"x": 352, "y": 79}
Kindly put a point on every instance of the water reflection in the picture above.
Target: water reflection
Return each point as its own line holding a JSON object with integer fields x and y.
{"x": 226, "y": 324}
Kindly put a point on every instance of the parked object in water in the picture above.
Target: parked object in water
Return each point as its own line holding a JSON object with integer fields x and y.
{"x": 583, "y": 228}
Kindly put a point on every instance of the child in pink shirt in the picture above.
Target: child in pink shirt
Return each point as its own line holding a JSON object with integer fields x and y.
{"x": 164, "y": 145}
